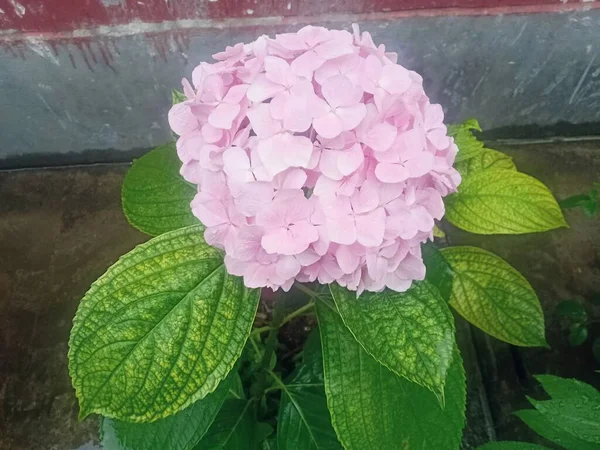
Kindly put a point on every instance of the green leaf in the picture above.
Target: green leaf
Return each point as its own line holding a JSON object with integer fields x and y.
{"x": 155, "y": 198}
{"x": 495, "y": 297}
{"x": 574, "y": 408}
{"x": 144, "y": 343}
{"x": 312, "y": 356}
{"x": 438, "y": 232}
{"x": 468, "y": 145}
{"x": 177, "y": 96}
{"x": 236, "y": 390}
{"x": 578, "y": 334}
{"x": 439, "y": 272}
{"x": 233, "y": 429}
{"x": 542, "y": 426}
{"x": 486, "y": 158}
{"x": 500, "y": 201}
{"x": 579, "y": 416}
{"x": 181, "y": 431}
{"x": 565, "y": 388}
{"x": 270, "y": 444}
{"x": 571, "y": 309}
{"x": 508, "y": 445}
{"x": 304, "y": 421}
{"x": 575, "y": 201}
{"x": 373, "y": 408}
{"x": 411, "y": 333}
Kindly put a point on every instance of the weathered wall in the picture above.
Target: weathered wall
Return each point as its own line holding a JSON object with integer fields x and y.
{"x": 98, "y": 88}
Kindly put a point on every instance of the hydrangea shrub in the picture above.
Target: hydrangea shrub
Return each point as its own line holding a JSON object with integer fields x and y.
{"x": 310, "y": 163}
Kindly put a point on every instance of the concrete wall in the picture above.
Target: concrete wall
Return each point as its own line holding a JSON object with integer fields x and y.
{"x": 101, "y": 93}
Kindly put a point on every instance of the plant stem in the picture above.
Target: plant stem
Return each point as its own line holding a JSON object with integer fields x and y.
{"x": 300, "y": 311}
{"x": 306, "y": 290}
{"x": 258, "y": 331}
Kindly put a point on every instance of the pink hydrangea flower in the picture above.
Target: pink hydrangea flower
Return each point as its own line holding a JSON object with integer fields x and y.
{"x": 317, "y": 158}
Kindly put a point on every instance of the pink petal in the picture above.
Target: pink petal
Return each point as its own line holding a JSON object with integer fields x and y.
{"x": 328, "y": 164}
{"x": 351, "y": 116}
{"x": 278, "y": 71}
{"x": 370, "y": 228}
{"x": 371, "y": 73}
{"x": 342, "y": 230}
{"x": 271, "y": 156}
{"x": 411, "y": 267}
{"x": 192, "y": 172}
{"x": 395, "y": 283}
{"x": 181, "y": 119}
{"x": 262, "y": 123}
{"x": 420, "y": 165}
{"x": 305, "y": 64}
{"x": 395, "y": 79}
{"x": 333, "y": 49}
{"x": 296, "y": 150}
{"x": 277, "y": 105}
{"x": 434, "y": 116}
{"x": 438, "y": 138}
{"x": 262, "y": 89}
{"x": 391, "y": 173}
{"x": 422, "y": 219}
{"x": 211, "y": 134}
{"x": 325, "y": 186}
{"x": 340, "y": 91}
{"x": 248, "y": 243}
{"x": 236, "y": 164}
{"x": 235, "y": 94}
{"x": 223, "y": 116}
{"x": 288, "y": 267}
{"x": 291, "y": 179}
{"x": 297, "y": 116}
{"x": 328, "y": 126}
{"x": 188, "y": 147}
{"x": 380, "y": 137}
{"x": 211, "y": 212}
{"x": 251, "y": 198}
{"x": 350, "y": 160}
{"x": 347, "y": 259}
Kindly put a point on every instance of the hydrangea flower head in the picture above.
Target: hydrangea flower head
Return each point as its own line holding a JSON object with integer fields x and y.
{"x": 317, "y": 157}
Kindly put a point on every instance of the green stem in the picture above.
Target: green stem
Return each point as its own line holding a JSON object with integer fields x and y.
{"x": 299, "y": 312}
{"x": 306, "y": 290}
{"x": 260, "y": 330}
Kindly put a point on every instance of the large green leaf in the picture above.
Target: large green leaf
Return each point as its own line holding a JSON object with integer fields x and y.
{"x": 181, "y": 431}
{"x": 156, "y": 199}
{"x": 509, "y": 445}
{"x": 574, "y": 407}
{"x": 542, "y": 426}
{"x": 411, "y": 333}
{"x": 373, "y": 408}
{"x": 493, "y": 296}
{"x": 468, "y": 145}
{"x": 159, "y": 330}
{"x": 233, "y": 429}
{"x": 304, "y": 421}
{"x": 439, "y": 272}
{"x": 486, "y": 158}
{"x": 501, "y": 201}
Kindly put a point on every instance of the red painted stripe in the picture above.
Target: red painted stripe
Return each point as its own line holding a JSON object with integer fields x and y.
{"x": 66, "y": 15}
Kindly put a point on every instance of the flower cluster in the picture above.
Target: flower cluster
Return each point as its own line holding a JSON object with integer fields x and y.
{"x": 317, "y": 157}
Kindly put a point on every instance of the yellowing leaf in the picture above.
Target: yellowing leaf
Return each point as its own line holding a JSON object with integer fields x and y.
{"x": 411, "y": 333}
{"x": 373, "y": 408}
{"x": 494, "y": 296}
{"x": 159, "y": 330}
{"x": 485, "y": 159}
{"x": 500, "y": 201}
{"x": 468, "y": 145}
